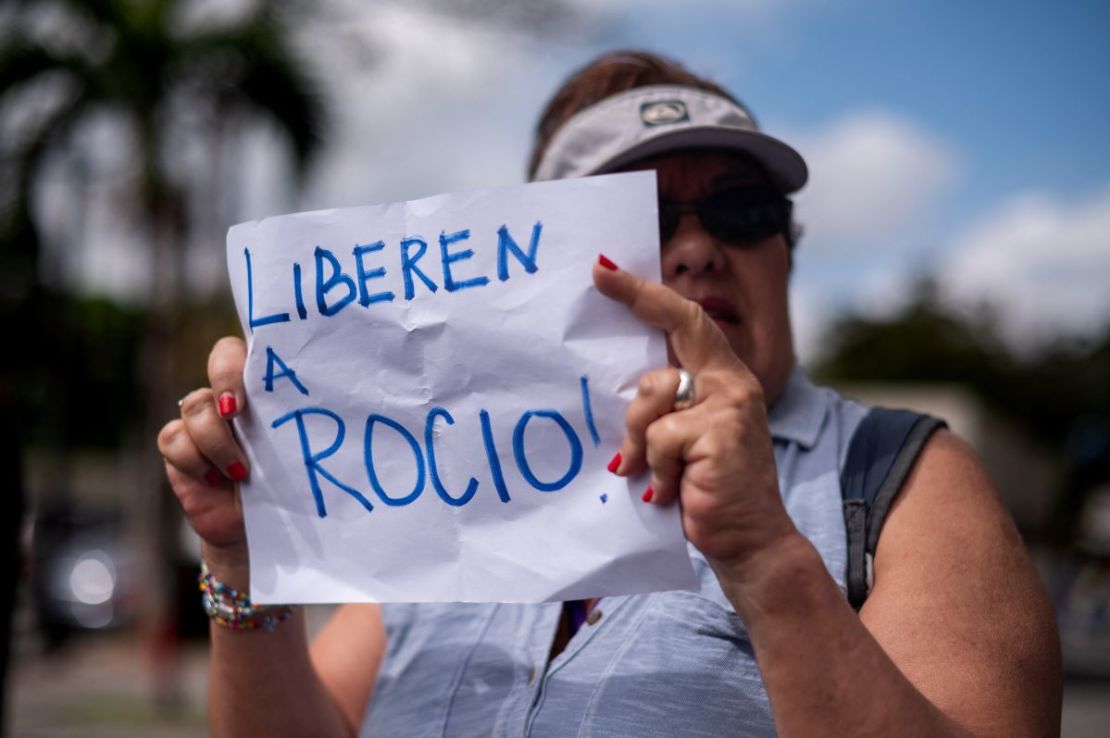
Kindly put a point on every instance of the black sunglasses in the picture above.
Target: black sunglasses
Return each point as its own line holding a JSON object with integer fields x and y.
{"x": 740, "y": 214}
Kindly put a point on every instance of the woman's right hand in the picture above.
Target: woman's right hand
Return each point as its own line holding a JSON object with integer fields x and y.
{"x": 204, "y": 463}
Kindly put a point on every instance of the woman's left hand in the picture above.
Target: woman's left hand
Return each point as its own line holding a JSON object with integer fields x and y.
{"x": 716, "y": 456}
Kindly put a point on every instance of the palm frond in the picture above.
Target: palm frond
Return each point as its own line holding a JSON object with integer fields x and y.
{"x": 19, "y": 235}
{"x": 267, "y": 77}
{"x": 22, "y": 60}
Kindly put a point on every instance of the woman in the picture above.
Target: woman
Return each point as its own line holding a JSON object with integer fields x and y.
{"x": 955, "y": 638}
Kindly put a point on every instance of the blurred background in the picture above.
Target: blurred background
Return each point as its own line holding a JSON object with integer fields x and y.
{"x": 956, "y": 258}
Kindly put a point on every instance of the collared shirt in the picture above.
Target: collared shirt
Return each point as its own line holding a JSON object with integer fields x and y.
{"x": 662, "y": 664}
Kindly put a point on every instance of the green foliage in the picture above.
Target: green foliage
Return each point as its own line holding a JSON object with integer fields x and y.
{"x": 74, "y": 364}
{"x": 138, "y": 61}
{"x": 929, "y": 341}
{"x": 83, "y": 368}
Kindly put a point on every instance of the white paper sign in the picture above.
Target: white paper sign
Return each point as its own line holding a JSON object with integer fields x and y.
{"x": 434, "y": 389}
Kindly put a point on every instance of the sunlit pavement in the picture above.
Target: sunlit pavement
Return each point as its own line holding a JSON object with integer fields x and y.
{"x": 100, "y": 686}
{"x": 1086, "y": 709}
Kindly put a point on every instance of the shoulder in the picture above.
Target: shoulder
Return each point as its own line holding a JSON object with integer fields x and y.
{"x": 957, "y": 602}
{"x": 949, "y": 501}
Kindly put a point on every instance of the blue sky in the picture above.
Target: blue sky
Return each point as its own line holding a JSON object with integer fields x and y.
{"x": 1020, "y": 87}
{"x": 1012, "y": 97}
{"x": 967, "y": 140}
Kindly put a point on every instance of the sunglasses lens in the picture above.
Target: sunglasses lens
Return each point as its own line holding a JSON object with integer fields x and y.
{"x": 668, "y": 220}
{"x": 744, "y": 215}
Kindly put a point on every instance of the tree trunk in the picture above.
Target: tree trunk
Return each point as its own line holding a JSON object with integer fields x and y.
{"x": 158, "y": 514}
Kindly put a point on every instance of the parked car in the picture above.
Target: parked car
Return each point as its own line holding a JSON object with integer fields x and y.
{"x": 83, "y": 572}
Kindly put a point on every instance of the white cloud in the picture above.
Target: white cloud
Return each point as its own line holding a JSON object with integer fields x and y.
{"x": 445, "y": 104}
{"x": 872, "y": 174}
{"x": 692, "y": 9}
{"x": 470, "y": 85}
{"x": 426, "y": 103}
{"x": 1039, "y": 261}
{"x": 1044, "y": 262}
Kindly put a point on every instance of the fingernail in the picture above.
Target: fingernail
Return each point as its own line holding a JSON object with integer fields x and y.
{"x": 615, "y": 463}
{"x": 212, "y": 477}
{"x": 227, "y": 404}
{"x": 237, "y": 471}
{"x": 648, "y": 494}
{"x": 604, "y": 261}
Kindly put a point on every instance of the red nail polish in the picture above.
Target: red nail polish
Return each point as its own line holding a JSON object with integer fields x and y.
{"x": 614, "y": 463}
{"x": 212, "y": 477}
{"x": 237, "y": 471}
{"x": 604, "y": 261}
{"x": 227, "y": 404}
{"x": 648, "y": 494}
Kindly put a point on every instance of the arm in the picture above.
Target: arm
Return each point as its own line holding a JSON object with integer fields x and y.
{"x": 956, "y": 638}
{"x": 276, "y": 684}
{"x": 965, "y": 576}
{"x": 261, "y": 683}
{"x": 270, "y": 684}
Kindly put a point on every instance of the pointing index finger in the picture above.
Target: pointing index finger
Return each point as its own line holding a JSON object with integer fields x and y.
{"x": 697, "y": 343}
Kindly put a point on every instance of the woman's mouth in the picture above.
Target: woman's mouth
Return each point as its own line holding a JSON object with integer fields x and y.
{"x": 720, "y": 311}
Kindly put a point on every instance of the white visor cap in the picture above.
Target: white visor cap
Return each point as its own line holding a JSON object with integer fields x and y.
{"x": 646, "y": 121}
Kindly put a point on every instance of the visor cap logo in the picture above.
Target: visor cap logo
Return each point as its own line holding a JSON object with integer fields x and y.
{"x": 663, "y": 112}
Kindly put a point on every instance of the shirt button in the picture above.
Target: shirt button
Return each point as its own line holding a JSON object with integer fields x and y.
{"x": 531, "y": 676}
{"x": 593, "y": 617}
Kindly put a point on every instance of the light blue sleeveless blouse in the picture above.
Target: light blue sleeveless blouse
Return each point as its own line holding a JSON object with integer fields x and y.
{"x": 664, "y": 664}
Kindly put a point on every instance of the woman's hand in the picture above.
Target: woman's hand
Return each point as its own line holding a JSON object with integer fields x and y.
{"x": 716, "y": 456}
{"x": 203, "y": 461}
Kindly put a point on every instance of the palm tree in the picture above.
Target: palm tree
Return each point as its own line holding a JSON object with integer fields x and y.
{"x": 141, "y": 63}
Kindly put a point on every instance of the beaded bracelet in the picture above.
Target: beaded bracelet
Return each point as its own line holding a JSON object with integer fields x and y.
{"x": 232, "y": 609}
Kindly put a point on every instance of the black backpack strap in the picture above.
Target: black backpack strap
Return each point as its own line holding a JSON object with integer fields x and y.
{"x": 880, "y": 456}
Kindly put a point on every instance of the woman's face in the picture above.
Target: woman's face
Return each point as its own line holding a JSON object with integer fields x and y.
{"x": 743, "y": 287}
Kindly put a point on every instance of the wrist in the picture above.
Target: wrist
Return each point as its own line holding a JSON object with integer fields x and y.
{"x": 765, "y": 581}
{"x": 233, "y": 609}
{"x": 229, "y": 564}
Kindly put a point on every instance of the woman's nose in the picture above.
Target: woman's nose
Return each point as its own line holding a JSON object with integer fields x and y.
{"x": 691, "y": 250}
